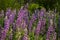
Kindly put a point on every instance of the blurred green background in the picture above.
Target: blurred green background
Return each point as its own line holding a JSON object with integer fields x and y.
{"x": 48, "y": 4}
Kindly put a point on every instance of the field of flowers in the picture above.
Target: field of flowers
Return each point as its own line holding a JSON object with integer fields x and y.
{"x": 25, "y": 25}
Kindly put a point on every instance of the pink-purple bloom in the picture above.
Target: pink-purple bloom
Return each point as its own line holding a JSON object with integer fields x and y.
{"x": 33, "y": 19}
{"x": 25, "y": 37}
{"x": 12, "y": 16}
{"x": 6, "y": 28}
{"x": 6, "y": 24}
{"x": 8, "y": 12}
{"x": 37, "y": 31}
{"x": 50, "y": 32}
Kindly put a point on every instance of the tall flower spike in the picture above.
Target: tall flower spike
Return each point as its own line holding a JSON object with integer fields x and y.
{"x": 6, "y": 28}
{"x": 54, "y": 37}
{"x": 23, "y": 24}
{"x": 6, "y": 24}
{"x": 18, "y": 22}
{"x": 36, "y": 13}
{"x": 34, "y": 17}
{"x": 12, "y": 16}
{"x": 42, "y": 11}
{"x": 21, "y": 15}
{"x": 19, "y": 19}
{"x": 20, "y": 12}
{"x": 26, "y": 18}
{"x": 43, "y": 22}
{"x": 37, "y": 31}
{"x": 50, "y": 31}
{"x": 3, "y": 35}
{"x": 25, "y": 36}
{"x": 8, "y": 12}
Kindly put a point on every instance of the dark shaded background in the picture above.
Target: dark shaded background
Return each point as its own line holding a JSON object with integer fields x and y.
{"x": 48, "y": 4}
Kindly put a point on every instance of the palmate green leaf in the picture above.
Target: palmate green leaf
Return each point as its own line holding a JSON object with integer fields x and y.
{"x": 33, "y": 6}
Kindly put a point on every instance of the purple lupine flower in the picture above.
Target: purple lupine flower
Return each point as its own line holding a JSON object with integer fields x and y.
{"x": 42, "y": 19}
{"x": 6, "y": 24}
{"x": 25, "y": 37}
{"x": 26, "y": 18}
{"x": 21, "y": 11}
{"x": 8, "y": 12}
{"x": 18, "y": 21}
{"x": 36, "y": 13}
{"x": 41, "y": 14}
{"x": 50, "y": 31}
{"x": 43, "y": 22}
{"x": 12, "y": 16}
{"x": 37, "y": 31}
{"x": 6, "y": 28}
{"x": 3, "y": 35}
{"x": 20, "y": 17}
{"x": 23, "y": 24}
{"x": 34, "y": 17}
{"x": 25, "y": 29}
{"x": 54, "y": 36}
